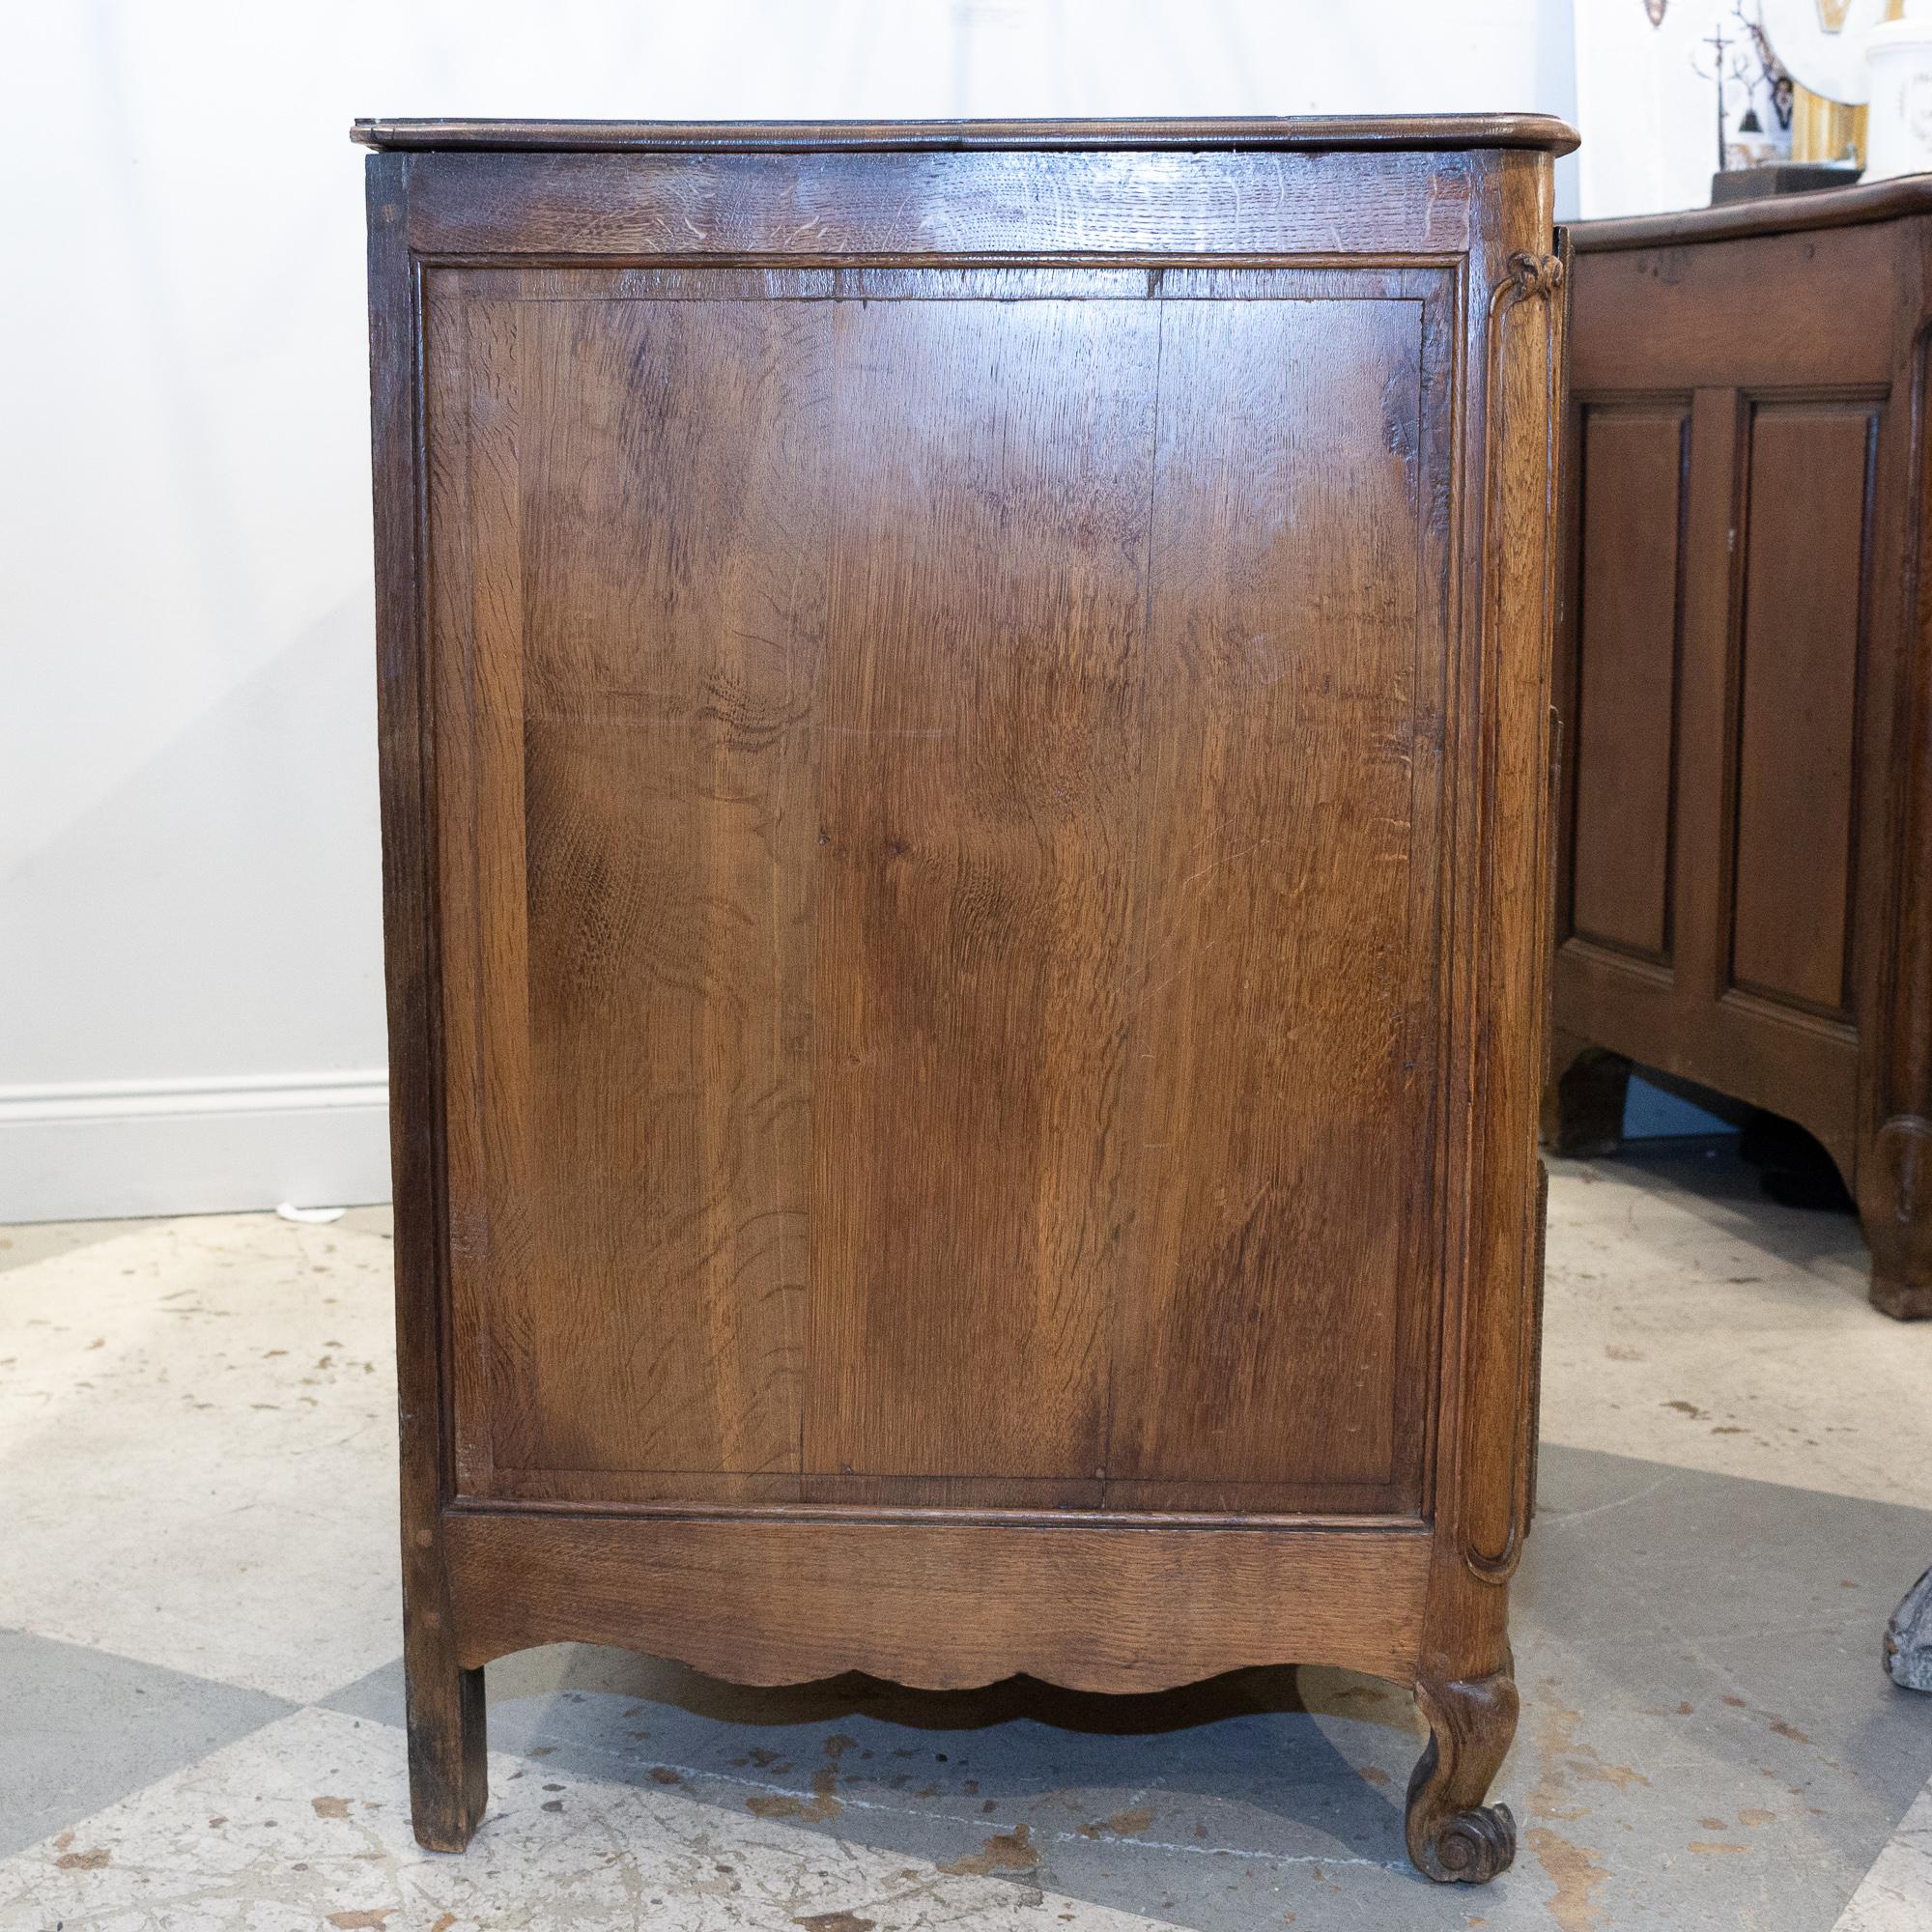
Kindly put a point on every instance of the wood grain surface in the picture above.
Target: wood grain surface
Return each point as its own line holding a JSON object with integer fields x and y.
{"x": 786, "y": 1601}
{"x": 1288, "y": 696}
{"x": 925, "y": 207}
{"x": 978, "y": 929}
{"x": 895, "y": 788}
{"x": 1807, "y": 546}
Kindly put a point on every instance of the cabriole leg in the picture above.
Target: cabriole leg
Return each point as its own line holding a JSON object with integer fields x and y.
{"x": 1453, "y": 1836}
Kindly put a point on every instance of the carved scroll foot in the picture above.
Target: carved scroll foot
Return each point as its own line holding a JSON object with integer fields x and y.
{"x": 1584, "y": 1107}
{"x": 1453, "y": 1836}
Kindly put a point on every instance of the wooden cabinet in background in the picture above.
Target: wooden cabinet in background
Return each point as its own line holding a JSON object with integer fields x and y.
{"x": 964, "y": 725}
{"x": 1745, "y": 892}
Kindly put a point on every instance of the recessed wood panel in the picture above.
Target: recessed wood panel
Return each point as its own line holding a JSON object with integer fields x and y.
{"x": 1278, "y": 1126}
{"x": 938, "y": 794}
{"x": 958, "y": 204}
{"x": 1632, "y": 463}
{"x": 646, "y": 624}
{"x": 979, "y": 744}
{"x": 1804, "y": 577}
{"x": 1714, "y": 312}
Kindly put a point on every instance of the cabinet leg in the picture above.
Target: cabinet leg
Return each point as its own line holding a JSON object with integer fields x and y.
{"x": 1902, "y": 1300}
{"x": 448, "y": 1781}
{"x": 1583, "y": 1106}
{"x": 1895, "y": 1212}
{"x": 1453, "y": 1836}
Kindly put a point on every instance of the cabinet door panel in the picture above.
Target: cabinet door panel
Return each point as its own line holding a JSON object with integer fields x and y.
{"x": 1633, "y": 463}
{"x": 1808, "y": 528}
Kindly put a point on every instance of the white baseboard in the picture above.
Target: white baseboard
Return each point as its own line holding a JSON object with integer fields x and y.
{"x": 95, "y": 1150}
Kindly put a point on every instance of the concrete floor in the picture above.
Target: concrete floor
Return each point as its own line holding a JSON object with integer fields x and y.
{"x": 200, "y": 1690}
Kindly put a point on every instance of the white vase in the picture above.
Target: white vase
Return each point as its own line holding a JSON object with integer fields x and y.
{"x": 1898, "y": 138}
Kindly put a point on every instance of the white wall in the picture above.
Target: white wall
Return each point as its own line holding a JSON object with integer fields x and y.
{"x": 1647, "y": 114}
{"x": 190, "y": 1005}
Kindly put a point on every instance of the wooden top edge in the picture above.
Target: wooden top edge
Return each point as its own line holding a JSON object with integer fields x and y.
{"x": 1774, "y": 214}
{"x": 1290, "y": 131}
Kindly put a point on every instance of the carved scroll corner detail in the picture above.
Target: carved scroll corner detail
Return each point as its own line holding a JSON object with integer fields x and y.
{"x": 1526, "y": 275}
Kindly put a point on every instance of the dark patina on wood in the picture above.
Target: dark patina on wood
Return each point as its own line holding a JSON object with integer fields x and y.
{"x": 965, "y": 730}
{"x": 1744, "y": 666}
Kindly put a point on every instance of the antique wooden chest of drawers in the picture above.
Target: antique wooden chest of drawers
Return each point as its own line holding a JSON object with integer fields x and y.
{"x": 964, "y": 725}
{"x": 1746, "y": 671}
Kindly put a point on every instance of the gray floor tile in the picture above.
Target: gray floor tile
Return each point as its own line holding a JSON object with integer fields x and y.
{"x": 80, "y": 1728}
{"x": 379, "y": 1695}
{"x": 303, "y": 1826}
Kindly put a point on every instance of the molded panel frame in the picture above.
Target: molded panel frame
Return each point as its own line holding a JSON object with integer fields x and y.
{"x": 484, "y": 1472}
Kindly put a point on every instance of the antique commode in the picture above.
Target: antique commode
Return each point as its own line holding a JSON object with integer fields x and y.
{"x": 1745, "y": 668}
{"x": 965, "y": 759}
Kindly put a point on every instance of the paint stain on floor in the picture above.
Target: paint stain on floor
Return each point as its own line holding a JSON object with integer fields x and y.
{"x": 1003, "y": 1851}
{"x": 822, "y": 1805}
{"x": 1122, "y": 1825}
{"x": 1556, "y": 1734}
{"x": 1573, "y": 1870}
